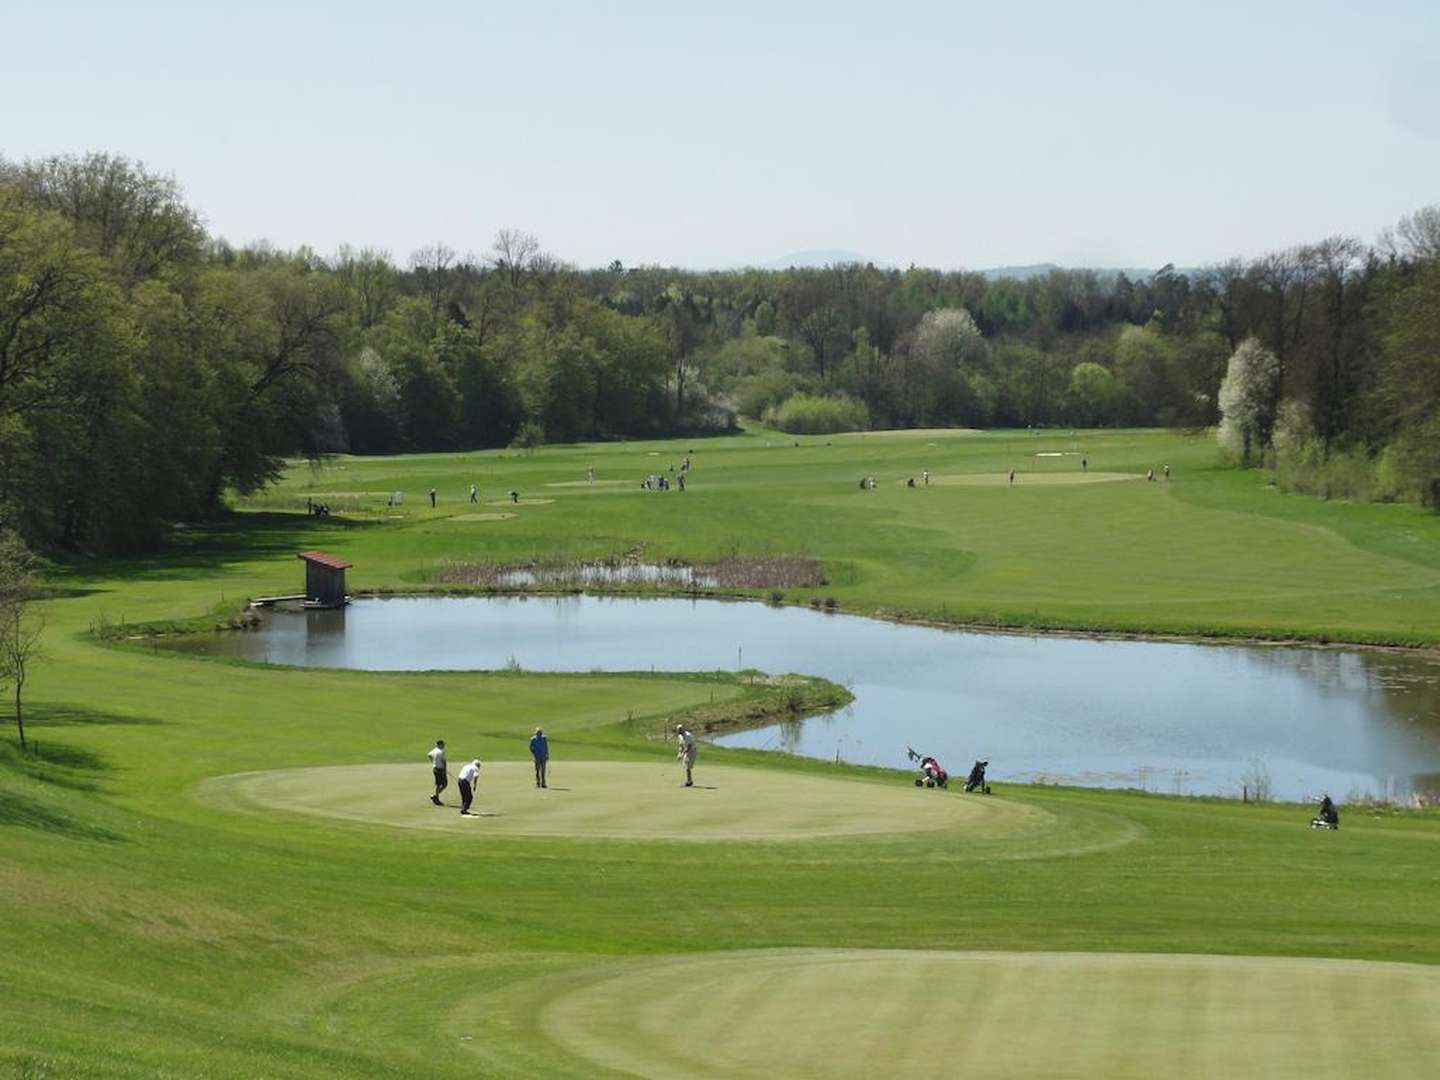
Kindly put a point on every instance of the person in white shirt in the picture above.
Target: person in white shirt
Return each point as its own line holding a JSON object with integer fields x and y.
{"x": 467, "y": 782}
{"x": 437, "y": 765}
{"x": 686, "y": 752}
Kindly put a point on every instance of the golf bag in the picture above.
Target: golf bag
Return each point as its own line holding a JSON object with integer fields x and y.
{"x": 1328, "y": 817}
{"x": 976, "y": 780}
{"x": 932, "y": 773}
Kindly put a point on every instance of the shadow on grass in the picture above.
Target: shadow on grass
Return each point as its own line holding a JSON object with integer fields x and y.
{"x": 17, "y": 811}
{"x": 49, "y": 714}
{"x": 214, "y": 547}
{"x": 59, "y": 763}
{"x": 69, "y": 592}
{"x": 71, "y": 767}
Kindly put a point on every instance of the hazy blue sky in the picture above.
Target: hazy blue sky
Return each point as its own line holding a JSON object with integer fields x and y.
{"x": 1101, "y": 133}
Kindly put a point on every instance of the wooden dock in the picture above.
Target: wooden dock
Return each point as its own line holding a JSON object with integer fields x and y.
{"x": 268, "y": 601}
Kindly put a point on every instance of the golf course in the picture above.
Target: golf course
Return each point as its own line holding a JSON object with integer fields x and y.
{"x": 229, "y": 868}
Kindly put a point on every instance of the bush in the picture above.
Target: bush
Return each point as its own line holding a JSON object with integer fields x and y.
{"x": 803, "y": 414}
{"x": 756, "y": 394}
{"x": 1302, "y": 465}
{"x": 530, "y": 435}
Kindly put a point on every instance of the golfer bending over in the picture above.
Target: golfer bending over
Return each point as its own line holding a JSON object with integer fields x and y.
{"x": 437, "y": 763}
{"x": 540, "y": 751}
{"x": 467, "y": 782}
{"x": 686, "y": 752}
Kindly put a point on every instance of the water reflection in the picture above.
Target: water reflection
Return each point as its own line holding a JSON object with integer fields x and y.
{"x": 1166, "y": 717}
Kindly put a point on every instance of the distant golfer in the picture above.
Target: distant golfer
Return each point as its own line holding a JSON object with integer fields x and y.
{"x": 432, "y": 498}
{"x": 686, "y": 752}
{"x": 474, "y": 494}
{"x": 1084, "y": 464}
{"x": 442, "y": 777}
{"x": 926, "y": 474}
{"x": 467, "y": 782}
{"x": 1012, "y": 477}
{"x": 514, "y": 496}
{"x": 540, "y": 751}
{"x": 1167, "y": 472}
{"x": 682, "y": 481}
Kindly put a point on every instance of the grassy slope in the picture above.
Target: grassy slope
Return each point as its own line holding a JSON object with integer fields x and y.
{"x": 144, "y": 933}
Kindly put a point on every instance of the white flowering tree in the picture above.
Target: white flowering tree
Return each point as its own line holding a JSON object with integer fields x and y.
{"x": 949, "y": 338}
{"x": 1247, "y": 399}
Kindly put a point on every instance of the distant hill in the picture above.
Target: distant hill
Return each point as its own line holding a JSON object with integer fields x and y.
{"x": 802, "y": 260}
{"x": 1019, "y": 273}
{"x": 1025, "y": 273}
{"x": 806, "y": 260}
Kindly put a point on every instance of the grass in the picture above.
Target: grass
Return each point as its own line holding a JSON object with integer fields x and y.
{"x": 151, "y": 927}
{"x": 874, "y": 1012}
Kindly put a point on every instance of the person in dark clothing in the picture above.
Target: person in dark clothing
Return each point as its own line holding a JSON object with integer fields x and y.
{"x": 540, "y": 751}
{"x": 1328, "y": 817}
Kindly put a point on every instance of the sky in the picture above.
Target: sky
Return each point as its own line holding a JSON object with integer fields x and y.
{"x": 953, "y": 134}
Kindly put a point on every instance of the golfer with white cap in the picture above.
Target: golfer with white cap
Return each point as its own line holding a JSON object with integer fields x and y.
{"x": 467, "y": 782}
{"x": 686, "y": 752}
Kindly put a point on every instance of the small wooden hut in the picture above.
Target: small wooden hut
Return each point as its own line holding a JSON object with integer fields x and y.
{"x": 324, "y": 579}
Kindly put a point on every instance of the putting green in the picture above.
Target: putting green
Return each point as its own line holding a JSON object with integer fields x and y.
{"x": 1025, "y": 479}
{"x": 626, "y": 800}
{"x": 591, "y": 483}
{"x": 523, "y": 502}
{"x": 859, "y": 1013}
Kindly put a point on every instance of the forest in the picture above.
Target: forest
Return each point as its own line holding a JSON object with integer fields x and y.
{"x": 148, "y": 367}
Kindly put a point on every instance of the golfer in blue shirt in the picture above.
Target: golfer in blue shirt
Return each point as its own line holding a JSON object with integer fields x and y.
{"x": 540, "y": 751}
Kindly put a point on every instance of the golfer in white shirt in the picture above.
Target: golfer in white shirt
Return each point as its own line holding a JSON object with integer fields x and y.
{"x": 686, "y": 752}
{"x": 467, "y": 782}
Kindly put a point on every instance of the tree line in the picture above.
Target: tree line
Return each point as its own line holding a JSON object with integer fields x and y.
{"x": 147, "y": 368}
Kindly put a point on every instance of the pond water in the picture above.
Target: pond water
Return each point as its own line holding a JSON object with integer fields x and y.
{"x": 1167, "y": 717}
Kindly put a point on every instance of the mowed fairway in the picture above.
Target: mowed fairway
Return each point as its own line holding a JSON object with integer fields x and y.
{"x": 857, "y": 1013}
{"x": 626, "y": 800}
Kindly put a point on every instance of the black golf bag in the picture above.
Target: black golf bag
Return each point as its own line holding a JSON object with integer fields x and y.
{"x": 976, "y": 780}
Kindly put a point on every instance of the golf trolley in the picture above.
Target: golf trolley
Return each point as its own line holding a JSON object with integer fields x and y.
{"x": 1328, "y": 817}
{"x": 976, "y": 780}
{"x": 932, "y": 773}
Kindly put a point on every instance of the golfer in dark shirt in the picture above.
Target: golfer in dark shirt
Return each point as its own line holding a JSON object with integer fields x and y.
{"x": 540, "y": 751}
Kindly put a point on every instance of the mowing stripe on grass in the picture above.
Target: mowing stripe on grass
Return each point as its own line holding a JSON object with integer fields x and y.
{"x": 859, "y": 1013}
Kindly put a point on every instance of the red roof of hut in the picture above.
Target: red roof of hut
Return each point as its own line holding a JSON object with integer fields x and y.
{"x": 334, "y": 562}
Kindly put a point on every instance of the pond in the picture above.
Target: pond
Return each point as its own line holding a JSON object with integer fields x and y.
{"x": 1169, "y": 717}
